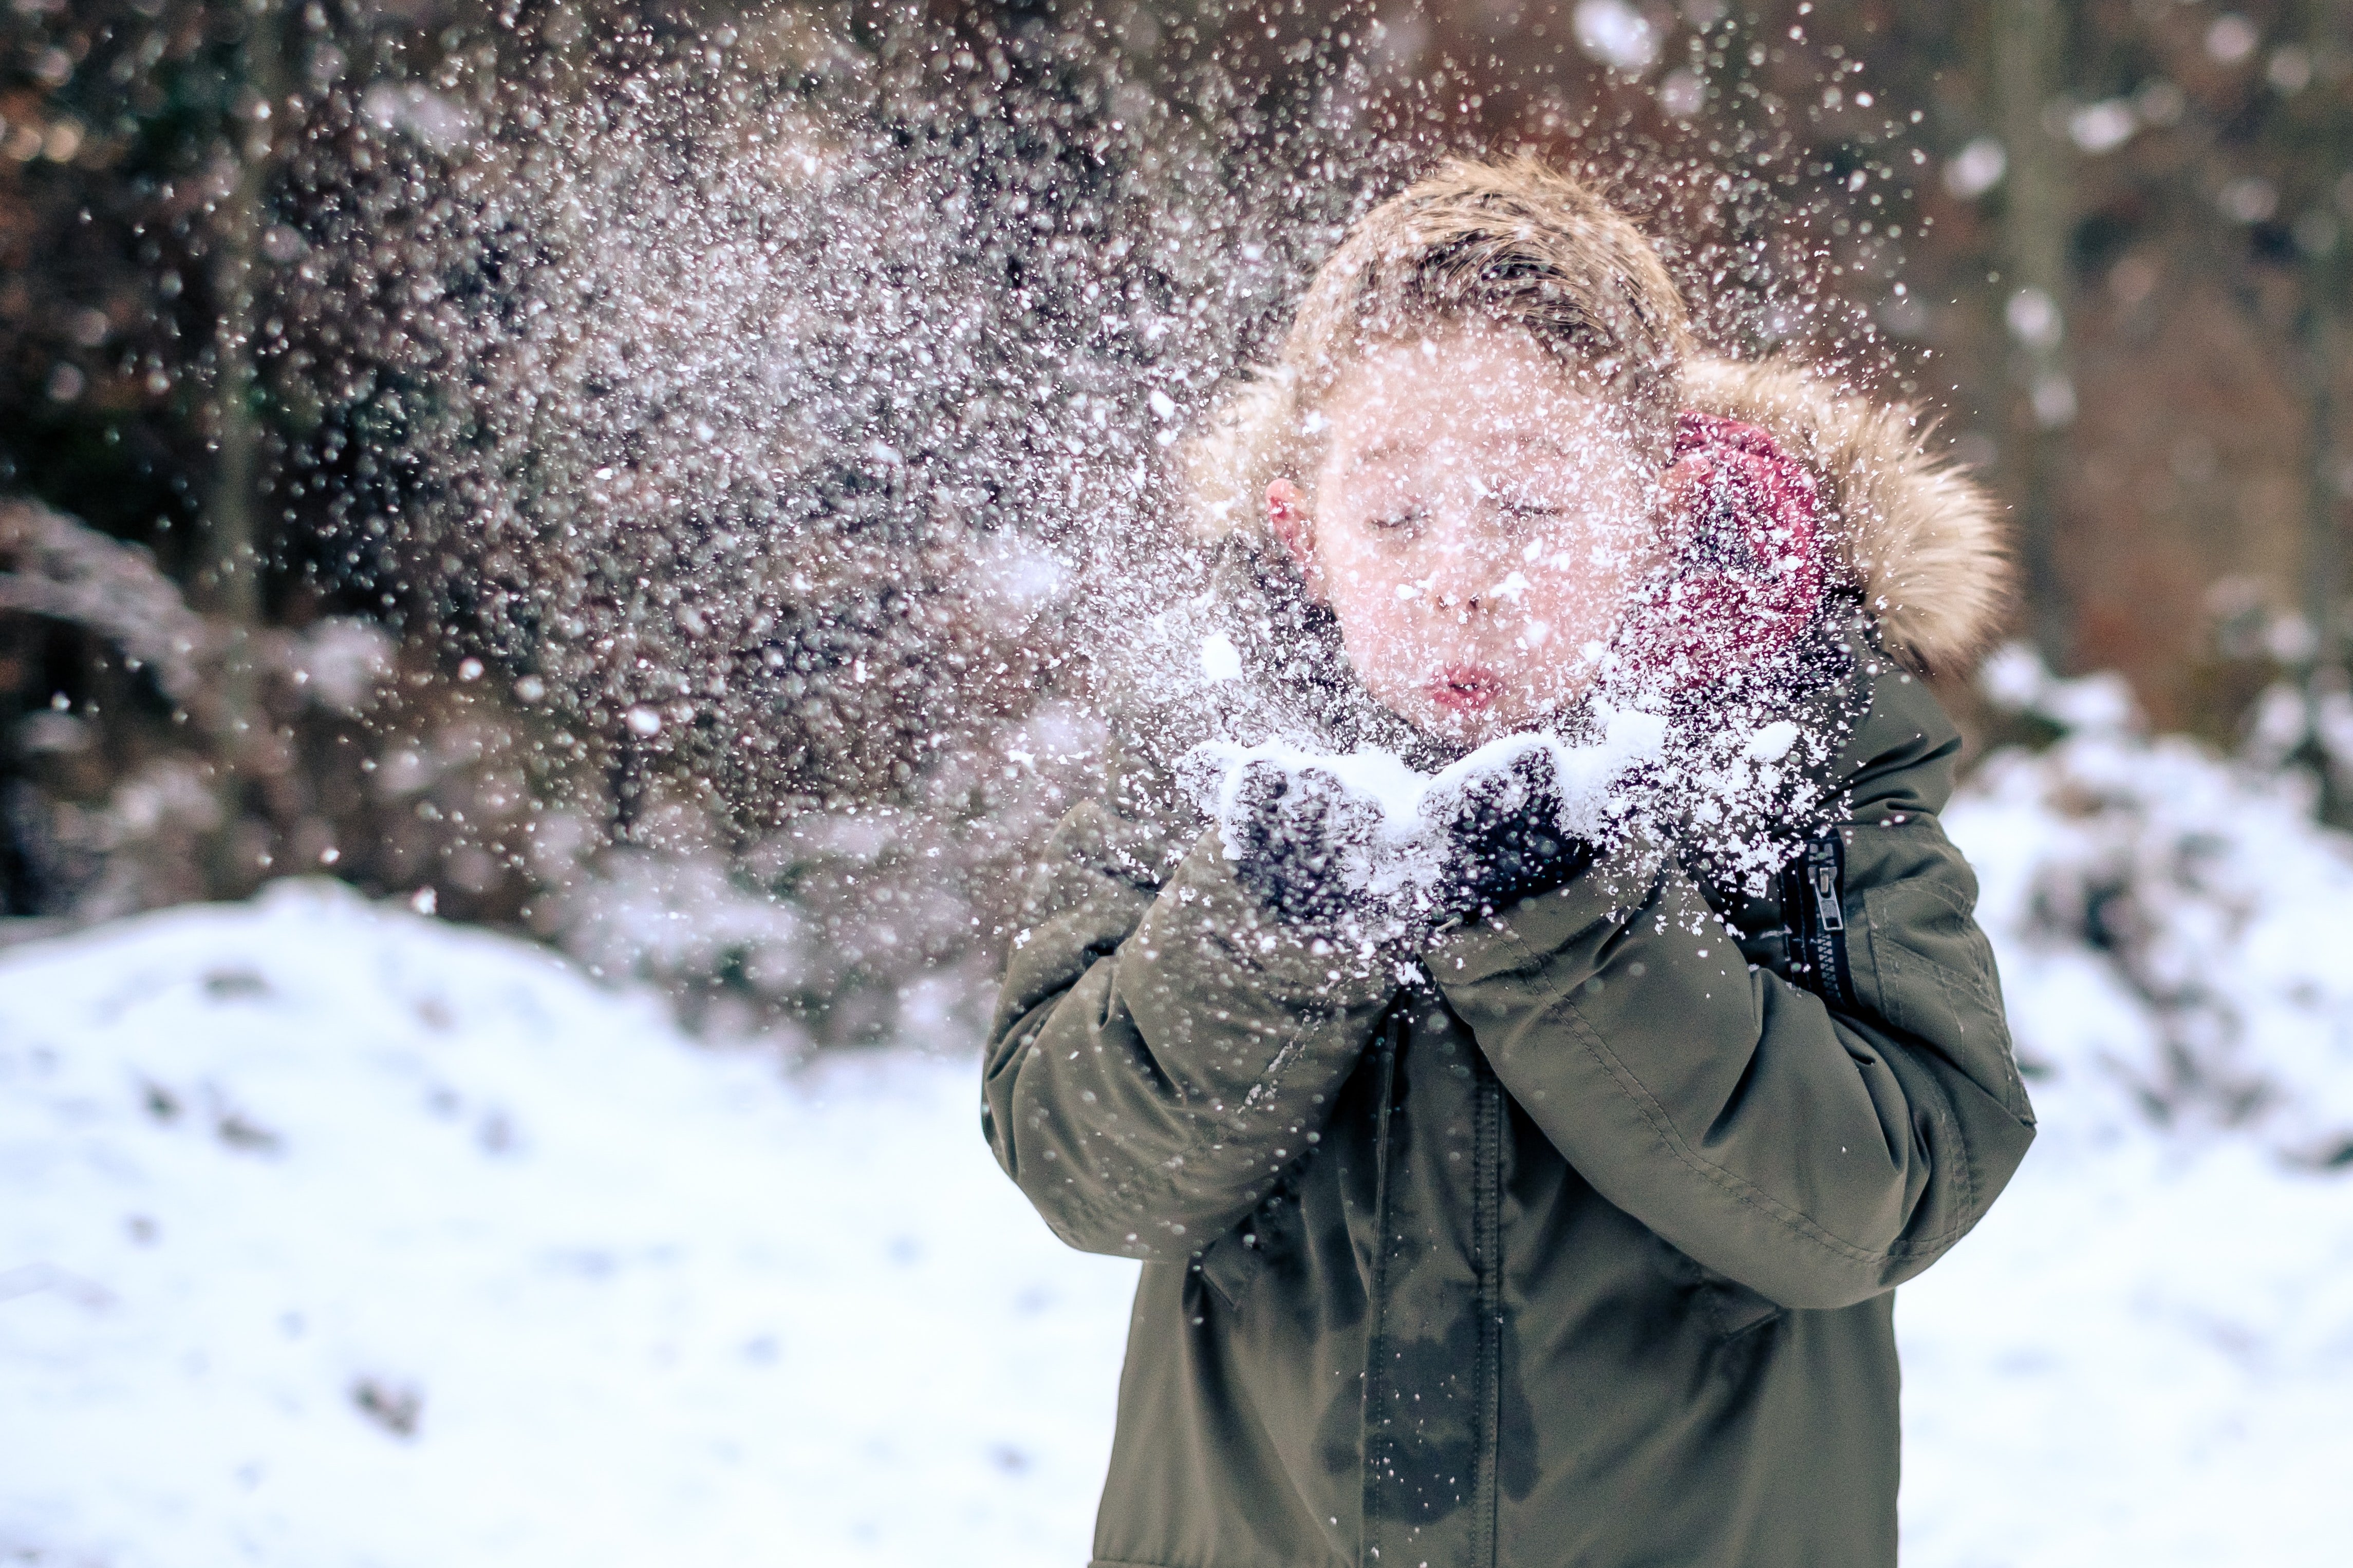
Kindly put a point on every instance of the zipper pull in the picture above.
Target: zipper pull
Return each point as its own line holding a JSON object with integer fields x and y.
{"x": 1823, "y": 871}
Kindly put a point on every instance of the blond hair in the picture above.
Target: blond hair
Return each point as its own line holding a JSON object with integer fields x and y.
{"x": 1515, "y": 244}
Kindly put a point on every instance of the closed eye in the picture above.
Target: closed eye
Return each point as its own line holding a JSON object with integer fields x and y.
{"x": 1527, "y": 506}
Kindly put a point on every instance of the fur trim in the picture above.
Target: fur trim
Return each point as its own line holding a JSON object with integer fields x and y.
{"x": 1923, "y": 540}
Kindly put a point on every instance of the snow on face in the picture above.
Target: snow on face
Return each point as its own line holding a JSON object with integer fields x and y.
{"x": 1478, "y": 520}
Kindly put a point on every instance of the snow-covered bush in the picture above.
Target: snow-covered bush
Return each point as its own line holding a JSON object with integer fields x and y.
{"x": 843, "y": 924}
{"x": 166, "y": 754}
{"x": 2176, "y": 928}
{"x": 357, "y": 758}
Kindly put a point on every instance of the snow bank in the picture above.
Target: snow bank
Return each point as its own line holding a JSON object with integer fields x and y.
{"x": 2144, "y": 1356}
{"x": 338, "y": 1236}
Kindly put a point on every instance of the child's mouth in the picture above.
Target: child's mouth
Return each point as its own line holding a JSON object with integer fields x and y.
{"x": 1465, "y": 688}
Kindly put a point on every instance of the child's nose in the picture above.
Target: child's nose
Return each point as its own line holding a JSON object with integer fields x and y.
{"x": 1466, "y": 567}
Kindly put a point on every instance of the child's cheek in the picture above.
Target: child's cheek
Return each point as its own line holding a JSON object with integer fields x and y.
{"x": 1385, "y": 648}
{"x": 1375, "y": 633}
{"x": 1561, "y": 620}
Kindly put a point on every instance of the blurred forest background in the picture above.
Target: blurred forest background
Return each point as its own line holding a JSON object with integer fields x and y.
{"x": 647, "y": 475}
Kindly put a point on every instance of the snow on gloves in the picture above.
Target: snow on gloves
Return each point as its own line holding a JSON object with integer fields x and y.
{"x": 1365, "y": 847}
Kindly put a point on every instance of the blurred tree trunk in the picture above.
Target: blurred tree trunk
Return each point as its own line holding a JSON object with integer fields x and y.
{"x": 2326, "y": 280}
{"x": 2325, "y": 274}
{"x": 232, "y": 547}
{"x": 2028, "y": 38}
{"x": 1744, "y": 237}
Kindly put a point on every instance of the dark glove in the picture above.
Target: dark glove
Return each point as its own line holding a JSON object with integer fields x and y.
{"x": 1302, "y": 844}
{"x": 1503, "y": 838}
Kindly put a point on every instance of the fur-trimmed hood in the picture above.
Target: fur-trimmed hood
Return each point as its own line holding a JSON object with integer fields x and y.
{"x": 1916, "y": 536}
{"x": 1919, "y": 538}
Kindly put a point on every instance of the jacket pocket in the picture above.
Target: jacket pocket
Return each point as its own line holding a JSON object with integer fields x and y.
{"x": 1231, "y": 1264}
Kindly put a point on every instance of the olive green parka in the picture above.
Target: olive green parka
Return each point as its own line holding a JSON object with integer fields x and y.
{"x": 1571, "y": 1241}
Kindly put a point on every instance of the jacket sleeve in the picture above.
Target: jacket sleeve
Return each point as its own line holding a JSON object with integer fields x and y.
{"x": 1162, "y": 1050}
{"x": 1819, "y": 1158}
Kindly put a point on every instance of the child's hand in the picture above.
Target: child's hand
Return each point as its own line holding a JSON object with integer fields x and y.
{"x": 1325, "y": 856}
{"x": 1301, "y": 842}
{"x": 1503, "y": 839}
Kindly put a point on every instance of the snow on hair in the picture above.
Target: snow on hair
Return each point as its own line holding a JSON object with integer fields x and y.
{"x": 1514, "y": 243}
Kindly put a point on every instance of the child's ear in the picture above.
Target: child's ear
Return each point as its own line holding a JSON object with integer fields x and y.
{"x": 1286, "y": 514}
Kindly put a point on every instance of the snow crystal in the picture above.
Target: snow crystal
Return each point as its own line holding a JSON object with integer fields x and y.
{"x": 1977, "y": 168}
{"x": 2231, "y": 37}
{"x": 2105, "y": 126}
{"x": 1220, "y": 659}
{"x": 1615, "y": 34}
{"x": 1771, "y": 742}
{"x": 344, "y": 663}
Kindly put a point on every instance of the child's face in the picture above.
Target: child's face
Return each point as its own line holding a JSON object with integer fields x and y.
{"x": 1478, "y": 520}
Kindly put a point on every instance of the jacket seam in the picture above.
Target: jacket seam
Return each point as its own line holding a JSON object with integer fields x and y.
{"x": 1956, "y": 987}
{"x": 1662, "y": 1128}
{"x": 1739, "y": 1187}
{"x": 1506, "y": 935}
{"x": 1305, "y": 1020}
{"x": 1088, "y": 1218}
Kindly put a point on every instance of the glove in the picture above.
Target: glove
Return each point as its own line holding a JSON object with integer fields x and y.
{"x": 1502, "y": 839}
{"x": 1303, "y": 843}
{"x": 1750, "y": 575}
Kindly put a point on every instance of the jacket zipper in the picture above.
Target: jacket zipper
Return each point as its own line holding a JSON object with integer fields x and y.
{"x": 1487, "y": 1198}
{"x": 1376, "y": 1348}
{"x": 1391, "y": 1028}
{"x": 1817, "y": 907}
{"x": 1487, "y": 1229}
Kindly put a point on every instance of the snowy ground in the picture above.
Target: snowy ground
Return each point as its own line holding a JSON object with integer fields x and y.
{"x": 336, "y": 1236}
{"x": 270, "y": 1166}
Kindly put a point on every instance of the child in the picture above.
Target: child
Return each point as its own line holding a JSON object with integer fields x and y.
{"x": 1542, "y": 1205}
